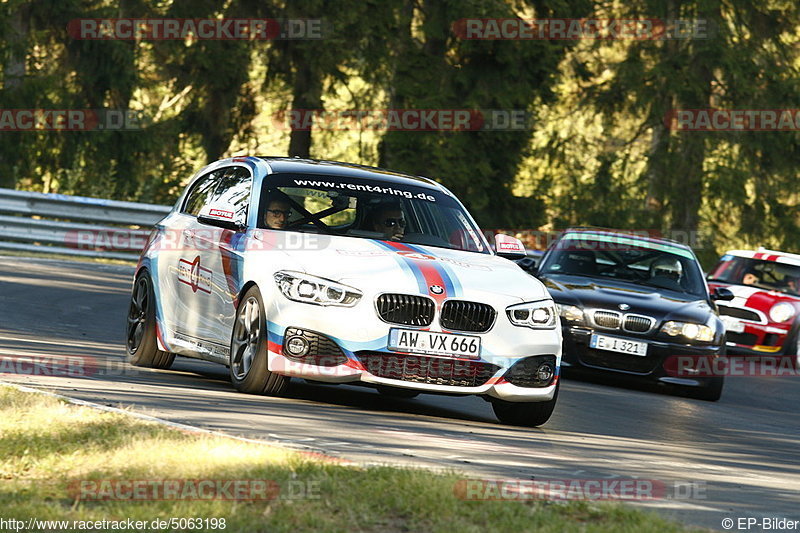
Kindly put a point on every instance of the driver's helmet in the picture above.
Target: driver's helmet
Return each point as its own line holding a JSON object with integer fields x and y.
{"x": 667, "y": 267}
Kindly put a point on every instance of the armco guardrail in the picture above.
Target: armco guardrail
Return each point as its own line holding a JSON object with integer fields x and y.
{"x": 75, "y": 225}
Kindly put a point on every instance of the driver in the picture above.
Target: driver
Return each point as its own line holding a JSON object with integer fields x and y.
{"x": 666, "y": 267}
{"x": 387, "y": 218}
{"x": 276, "y": 216}
{"x": 750, "y": 278}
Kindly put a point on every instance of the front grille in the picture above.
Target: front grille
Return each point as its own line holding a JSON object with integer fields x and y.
{"x": 744, "y": 314}
{"x": 467, "y": 316}
{"x": 429, "y": 370}
{"x": 748, "y": 339}
{"x": 638, "y": 323}
{"x": 617, "y": 361}
{"x": 523, "y": 373}
{"x": 607, "y": 319}
{"x": 322, "y": 350}
{"x": 405, "y": 309}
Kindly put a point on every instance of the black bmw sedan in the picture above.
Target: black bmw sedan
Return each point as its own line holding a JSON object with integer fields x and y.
{"x": 638, "y": 306}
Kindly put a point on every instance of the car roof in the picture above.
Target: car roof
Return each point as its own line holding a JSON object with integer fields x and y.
{"x": 349, "y": 170}
{"x": 767, "y": 255}
{"x": 627, "y": 234}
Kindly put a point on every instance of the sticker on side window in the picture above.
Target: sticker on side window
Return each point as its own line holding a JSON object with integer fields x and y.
{"x": 470, "y": 231}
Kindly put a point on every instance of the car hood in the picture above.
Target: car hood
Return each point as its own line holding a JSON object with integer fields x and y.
{"x": 755, "y": 297}
{"x": 386, "y": 266}
{"x": 597, "y": 293}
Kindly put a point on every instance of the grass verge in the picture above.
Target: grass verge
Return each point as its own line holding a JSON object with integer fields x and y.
{"x": 48, "y": 447}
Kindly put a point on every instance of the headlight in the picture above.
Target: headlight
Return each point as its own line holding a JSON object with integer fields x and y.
{"x": 313, "y": 290}
{"x": 781, "y": 312}
{"x": 693, "y": 332}
{"x": 536, "y": 315}
{"x": 573, "y": 313}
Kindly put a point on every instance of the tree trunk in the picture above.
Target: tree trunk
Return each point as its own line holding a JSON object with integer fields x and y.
{"x": 687, "y": 189}
{"x": 14, "y": 68}
{"x": 659, "y": 167}
{"x": 18, "y": 25}
{"x": 397, "y": 98}
{"x": 306, "y": 98}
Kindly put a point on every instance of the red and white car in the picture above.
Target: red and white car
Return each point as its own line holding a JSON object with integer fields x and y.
{"x": 764, "y": 315}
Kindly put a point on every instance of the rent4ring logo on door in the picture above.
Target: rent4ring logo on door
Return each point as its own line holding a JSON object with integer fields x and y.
{"x": 194, "y": 275}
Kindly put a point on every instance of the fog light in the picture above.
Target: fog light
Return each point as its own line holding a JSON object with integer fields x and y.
{"x": 297, "y": 346}
{"x": 544, "y": 373}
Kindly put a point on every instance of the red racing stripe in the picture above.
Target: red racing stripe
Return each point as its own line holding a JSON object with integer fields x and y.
{"x": 426, "y": 266}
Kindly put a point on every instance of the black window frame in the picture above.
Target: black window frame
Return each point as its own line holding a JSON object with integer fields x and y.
{"x": 216, "y": 177}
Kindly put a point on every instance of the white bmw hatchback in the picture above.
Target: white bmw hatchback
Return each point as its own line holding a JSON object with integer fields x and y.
{"x": 281, "y": 268}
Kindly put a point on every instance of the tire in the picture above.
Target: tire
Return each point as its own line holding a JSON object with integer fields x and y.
{"x": 528, "y": 414}
{"x": 248, "y": 359}
{"x": 397, "y": 392}
{"x": 140, "y": 332}
{"x": 711, "y": 392}
{"x": 792, "y": 346}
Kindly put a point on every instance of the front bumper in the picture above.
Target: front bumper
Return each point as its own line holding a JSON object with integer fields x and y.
{"x": 652, "y": 366}
{"x": 356, "y": 351}
{"x": 757, "y": 339}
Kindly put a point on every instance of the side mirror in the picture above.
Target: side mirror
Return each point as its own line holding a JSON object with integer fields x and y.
{"x": 721, "y": 293}
{"x": 509, "y": 247}
{"x": 529, "y": 265}
{"x": 221, "y": 216}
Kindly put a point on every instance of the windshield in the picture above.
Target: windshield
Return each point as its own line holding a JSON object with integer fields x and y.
{"x": 627, "y": 259}
{"x": 767, "y": 275}
{"x": 366, "y": 209}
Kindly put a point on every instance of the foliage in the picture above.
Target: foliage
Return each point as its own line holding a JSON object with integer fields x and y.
{"x": 600, "y": 150}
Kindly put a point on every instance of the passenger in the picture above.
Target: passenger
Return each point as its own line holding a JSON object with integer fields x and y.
{"x": 793, "y": 284}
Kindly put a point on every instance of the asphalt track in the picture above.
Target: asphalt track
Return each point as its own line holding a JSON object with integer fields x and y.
{"x": 735, "y": 458}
